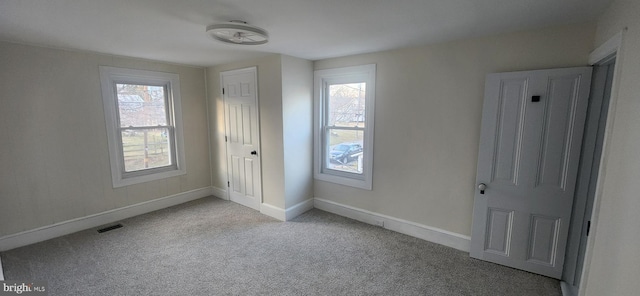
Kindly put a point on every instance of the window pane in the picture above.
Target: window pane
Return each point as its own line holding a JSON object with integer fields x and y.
{"x": 347, "y": 104}
{"x": 345, "y": 150}
{"x": 141, "y": 105}
{"x": 145, "y": 148}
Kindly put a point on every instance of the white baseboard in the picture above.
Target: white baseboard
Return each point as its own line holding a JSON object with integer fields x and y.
{"x": 298, "y": 209}
{"x": 273, "y": 211}
{"x": 568, "y": 290}
{"x": 70, "y": 226}
{"x": 288, "y": 214}
{"x": 432, "y": 234}
{"x": 219, "y": 193}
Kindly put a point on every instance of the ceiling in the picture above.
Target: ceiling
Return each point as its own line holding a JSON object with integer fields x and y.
{"x": 174, "y": 30}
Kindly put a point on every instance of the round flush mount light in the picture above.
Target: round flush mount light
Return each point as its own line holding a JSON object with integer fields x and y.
{"x": 238, "y": 32}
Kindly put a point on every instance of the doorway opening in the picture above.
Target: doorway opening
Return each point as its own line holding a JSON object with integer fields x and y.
{"x": 588, "y": 173}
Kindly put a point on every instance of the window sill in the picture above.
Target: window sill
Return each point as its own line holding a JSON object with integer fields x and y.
{"x": 351, "y": 182}
{"x": 121, "y": 182}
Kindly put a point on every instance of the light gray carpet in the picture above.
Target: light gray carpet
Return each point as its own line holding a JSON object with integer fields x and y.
{"x": 215, "y": 247}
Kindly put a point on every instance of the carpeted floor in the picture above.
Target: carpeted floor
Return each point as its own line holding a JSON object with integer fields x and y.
{"x": 215, "y": 247}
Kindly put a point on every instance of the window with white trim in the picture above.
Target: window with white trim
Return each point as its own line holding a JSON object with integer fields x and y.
{"x": 144, "y": 125}
{"x": 344, "y": 109}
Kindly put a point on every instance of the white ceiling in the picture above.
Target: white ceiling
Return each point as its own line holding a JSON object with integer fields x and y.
{"x": 174, "y": 30}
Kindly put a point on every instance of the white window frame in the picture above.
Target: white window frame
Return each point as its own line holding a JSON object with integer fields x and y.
{"x": 322, "y": 79}
{"x": 109, "y": 77}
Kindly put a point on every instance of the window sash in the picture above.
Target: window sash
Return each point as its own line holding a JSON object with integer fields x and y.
{"x": 168, "y": 102}
{"x": 327, "y": 99}
{"x": 327, "y": 128}
{"x": 170, "y": 133}
{"x": 347, "y": 128}
{"x": 170, "y": 146}
{"x": 144, "y": 127}
{"x": 326, "y": 148}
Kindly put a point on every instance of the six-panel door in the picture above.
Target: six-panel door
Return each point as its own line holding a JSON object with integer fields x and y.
{"x": 243, "y": 141}
{"x": 531, "y": 135}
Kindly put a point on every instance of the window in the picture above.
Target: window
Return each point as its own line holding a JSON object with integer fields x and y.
{"x": 344, "y": 109}
{"x": 144, "y": 125}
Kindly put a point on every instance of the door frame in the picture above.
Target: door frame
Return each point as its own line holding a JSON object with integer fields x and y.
{"x": 588, "y": 171}
{"x": 254, "y": 70}
{"x": 600, "y": 56}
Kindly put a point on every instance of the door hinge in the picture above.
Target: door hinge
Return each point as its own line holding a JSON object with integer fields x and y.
{"x": 228, "y": 184}
{"x": 225, "y": 138}
{"x": 588, "y": 227}
{"x": 223, "y": 90}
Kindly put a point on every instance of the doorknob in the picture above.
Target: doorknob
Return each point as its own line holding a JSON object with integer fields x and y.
{"x": 482, "y": 187}
{"x": 254, "y": 152}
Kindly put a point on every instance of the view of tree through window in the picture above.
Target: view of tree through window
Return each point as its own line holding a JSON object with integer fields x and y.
{"x": 346, "y": 126}
{"x": 144, "y": 129}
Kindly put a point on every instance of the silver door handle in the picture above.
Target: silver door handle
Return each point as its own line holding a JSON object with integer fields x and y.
{"x": 482, "y": 187}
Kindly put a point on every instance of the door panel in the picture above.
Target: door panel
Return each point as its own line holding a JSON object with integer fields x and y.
{"x": 249, "y": 177}
{"x": 556, "y": 134}
{"x": 543, "y": 239}
{"x": 499, "y": 228}
{"x": 241, "y": 112}
{"x": 233, "y": 132}
{"x": 509, "y": 131}
{"x": 235, "y": 174}
{"x": 531, "y": 133}
{"x": 247, "y": 133}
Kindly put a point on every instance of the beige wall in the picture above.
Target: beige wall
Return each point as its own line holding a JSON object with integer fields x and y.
{"x": 53, "y": 152}
{"x": 615, "y": 241}
{"x": 297, "y": 118}
{"x": 428, "y": 111}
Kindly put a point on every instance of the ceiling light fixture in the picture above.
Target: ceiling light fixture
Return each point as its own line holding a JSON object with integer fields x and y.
{"x": 238, "y": 32}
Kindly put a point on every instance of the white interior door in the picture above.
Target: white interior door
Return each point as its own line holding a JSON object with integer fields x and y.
{"x": 531, "y": 136}
{"x": 242, "y": 136}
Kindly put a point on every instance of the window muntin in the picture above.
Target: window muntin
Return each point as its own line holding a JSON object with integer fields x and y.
{"x": 344, "y": 107}
{"x": 144, "y": 125}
